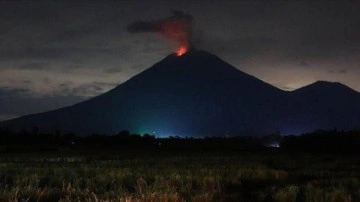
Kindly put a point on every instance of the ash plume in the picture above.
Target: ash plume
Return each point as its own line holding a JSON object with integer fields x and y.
{"x": 177, "y": 27}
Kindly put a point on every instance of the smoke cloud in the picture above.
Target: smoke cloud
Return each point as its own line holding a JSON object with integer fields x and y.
{"x": 177, "y": 27}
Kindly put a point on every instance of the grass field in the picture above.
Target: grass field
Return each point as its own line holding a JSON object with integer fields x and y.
{"x": 179, "y": 176}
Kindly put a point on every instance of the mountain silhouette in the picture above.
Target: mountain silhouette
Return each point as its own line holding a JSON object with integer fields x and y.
{"x": 322, "y": 105}
{"x": 198, "y": 94}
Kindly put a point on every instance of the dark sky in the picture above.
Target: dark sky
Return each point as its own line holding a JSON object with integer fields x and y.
{"x": 56, "y": 53}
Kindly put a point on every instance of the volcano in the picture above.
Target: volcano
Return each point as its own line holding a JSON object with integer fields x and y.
{"x": 198, "y": 94}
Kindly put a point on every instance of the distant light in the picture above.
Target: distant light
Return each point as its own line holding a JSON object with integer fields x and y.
{"x": 274, "y": 145}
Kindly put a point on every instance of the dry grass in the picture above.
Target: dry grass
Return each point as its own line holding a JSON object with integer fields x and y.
{"x": 178, "y": 177}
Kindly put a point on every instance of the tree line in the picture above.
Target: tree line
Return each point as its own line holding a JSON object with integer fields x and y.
{"x": 317, "y": 141}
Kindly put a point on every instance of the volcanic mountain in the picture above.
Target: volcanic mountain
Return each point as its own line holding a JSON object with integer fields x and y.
{"x": 198, "y": 94}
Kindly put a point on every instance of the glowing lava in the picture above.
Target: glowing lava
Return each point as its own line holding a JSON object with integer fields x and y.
{"x": 181, "y": 51}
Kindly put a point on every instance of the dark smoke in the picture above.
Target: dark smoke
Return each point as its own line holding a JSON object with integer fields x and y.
{"x": 177, "y": 27}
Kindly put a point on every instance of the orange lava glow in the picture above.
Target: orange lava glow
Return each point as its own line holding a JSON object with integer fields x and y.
{"x": 181, "y": 51}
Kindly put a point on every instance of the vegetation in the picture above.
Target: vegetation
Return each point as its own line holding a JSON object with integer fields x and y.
{"x": 102, "y": 168}
{"x": 179, "y": 176}
{"x": 324, "y": 141}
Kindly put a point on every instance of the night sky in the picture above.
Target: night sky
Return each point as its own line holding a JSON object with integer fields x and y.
{"x": 54, "y": 54}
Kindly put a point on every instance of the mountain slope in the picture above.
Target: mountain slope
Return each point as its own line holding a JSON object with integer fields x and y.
{"x": 198, "y": 94}
{"x": 323, "y": 105}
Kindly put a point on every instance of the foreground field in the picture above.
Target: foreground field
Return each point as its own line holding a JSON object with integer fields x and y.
{"x": 179, "y": 176}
